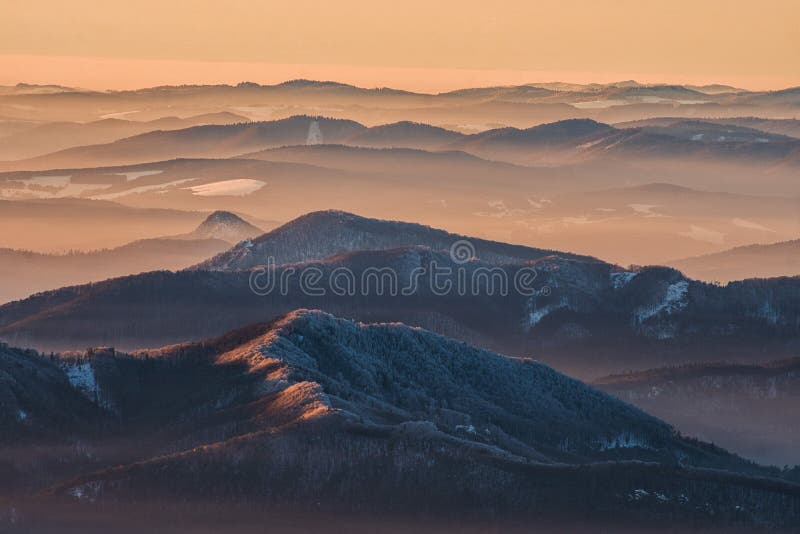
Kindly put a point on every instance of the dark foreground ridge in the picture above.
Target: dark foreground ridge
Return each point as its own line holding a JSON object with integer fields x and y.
{"x": 312, "y": 410}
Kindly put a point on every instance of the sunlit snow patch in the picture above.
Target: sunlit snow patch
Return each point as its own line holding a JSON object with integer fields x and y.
{"x": 237, "y": 188}
{"x": 141, "y": 189}
{"x": 118, "y": 114}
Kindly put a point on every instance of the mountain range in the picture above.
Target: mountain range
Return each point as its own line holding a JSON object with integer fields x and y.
{"x": 751, "y": 261}
{"x": 614, "y": 102}
{"x": 323, "y": 234}
{"x": 49, "y": 137}
{"x": 567, "y": 141}
{"x": 393, "y": 418}
{"x": 583, "y": 316}
{"x": 359, "y": 373}
{"x": 23, "y": 273}
{"x": 746, "y": 408}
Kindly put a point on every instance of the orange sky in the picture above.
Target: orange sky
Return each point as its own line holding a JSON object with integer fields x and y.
{"x": 425, "y": 45}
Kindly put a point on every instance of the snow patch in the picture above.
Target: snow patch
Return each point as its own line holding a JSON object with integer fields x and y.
{"x": 675, "y": 299}
{"x": 644, "y": 209}
{"x": 707, "y": 235}
{"x": 623, "y": 440}
{"x": 81, "y": 377}
{"x": 118, "y": 114}
{"x": 599, "y": 104}
{"x": 590, "y": 144}
{"x": 538, "y": 314}
{"x": 314, "y": 136}
{"x": 142, "y": 189}
{"x": 238, "y": 188}
{"x": 621, "y": 279}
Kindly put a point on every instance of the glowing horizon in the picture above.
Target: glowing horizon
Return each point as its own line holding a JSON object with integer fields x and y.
{"x": 422, "y": 46}
{"x": 102, "y": 74}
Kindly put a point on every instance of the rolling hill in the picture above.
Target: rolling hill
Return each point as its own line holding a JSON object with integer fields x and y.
{"x": 561, "y": 142}
{"x": 581, "y": 315}
{"x": 375, "y": 413}
{"x": 23, "y": 273}
{"x": 751, "y": 261}
{"x": 54, "y": 136}
{"x": 319, "y": 235}
{"x": 745, "y": 408}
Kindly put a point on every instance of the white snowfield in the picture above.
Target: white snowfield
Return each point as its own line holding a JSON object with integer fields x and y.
{"x": 141, "y": 189}
{"x": 238, "y": 188}
{"x": 82, "y": 378}
{"x": 55, "y": 187}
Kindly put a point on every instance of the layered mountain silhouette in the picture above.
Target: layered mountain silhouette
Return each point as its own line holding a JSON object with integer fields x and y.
{"x": 210, "y": 141}
{"x": 387, "y": 417}
{"x": 53, "y": 136}
{"x": 62, "y": 224}
{"x": 618, "y": 101}
{"x": 785, "y": 127}
{"x": 340, "y": 371}
{"x": 23, "y": 273}
{"x": 751, "y": 261}
{"x": 322, "y": 234}
{"x": 581, "y": 315}
{"x": 567, "y": 141}
{"x": 746, "y": 408}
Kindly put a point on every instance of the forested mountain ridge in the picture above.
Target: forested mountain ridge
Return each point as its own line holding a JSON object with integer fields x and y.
{"x": 747, "y": 408}
{"x": 406, "y": 407}
{"x": 322, "y": 234}
{"x": 587, "y": 318}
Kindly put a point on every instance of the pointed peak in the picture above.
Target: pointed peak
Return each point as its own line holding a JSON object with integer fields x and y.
{"x": 226, "y": 226}
{"x": 220, "y": 216}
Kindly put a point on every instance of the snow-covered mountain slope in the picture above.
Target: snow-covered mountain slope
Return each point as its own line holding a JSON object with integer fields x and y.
{"x": 38, "y": 401}
{"x": 376, "y": 413}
